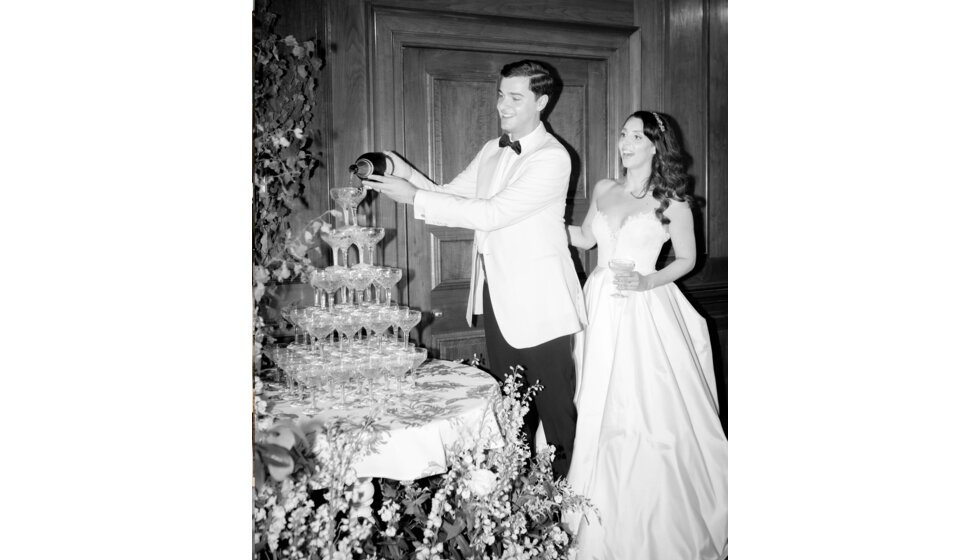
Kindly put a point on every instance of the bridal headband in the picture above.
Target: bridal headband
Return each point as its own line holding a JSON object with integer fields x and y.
{"x": 660, "y": 123}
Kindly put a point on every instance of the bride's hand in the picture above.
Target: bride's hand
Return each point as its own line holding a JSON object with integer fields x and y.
{"x": 634, "y": 281}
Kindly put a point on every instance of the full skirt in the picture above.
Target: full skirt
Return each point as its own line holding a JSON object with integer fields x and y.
{"x": 650, "y": 452}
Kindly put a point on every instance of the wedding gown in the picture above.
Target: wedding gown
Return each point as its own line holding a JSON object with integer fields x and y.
{"x": 650, "y": 452}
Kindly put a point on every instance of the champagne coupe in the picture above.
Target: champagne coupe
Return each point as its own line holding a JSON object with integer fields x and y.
{"x": 288, "y": 314}
{"x": 306, "y": 320}
{"x": 278, "y": 355}
{"x": 342, "y": 276}
{"x": 403, "y": 364}
{"x": 329, "y": 282}
{"x": 313, "y": 378}
{"x": 348, "y": 198}
{"x": 373, "y": 364}
{"x": 388, "y": 276}
{"x": 296, "y": 318}
{"x": 323, "y": 327}
{"x": 340, "y": 240}
{"x": 621, "y": 265}
{"x": 372, "y": 236}
{"x": 389, "y": 365}
{"x": 390, "y": 317}
{"x": 362, "y": 275}
{"x": 361, "y": 318}
{"x": 407, "y": 319}
{"x": 360, "y": 364}
{"x": 357, "y": 234}
{"x": 343, "y": 371}
{"x": 419, "y": 356}
{"x": 292, "y": 365}
{"x": 347, "y": 326}
{"x": 378, "y": 322}
{"x": 317, "y": 292}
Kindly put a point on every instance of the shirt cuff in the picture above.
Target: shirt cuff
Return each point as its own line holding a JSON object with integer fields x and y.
{"x": 418, "y": 204}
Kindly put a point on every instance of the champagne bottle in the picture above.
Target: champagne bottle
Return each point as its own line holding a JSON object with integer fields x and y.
{"x": 372, "y": 163}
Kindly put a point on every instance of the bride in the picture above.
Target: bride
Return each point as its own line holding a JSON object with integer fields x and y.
{"x": 650, "y": 452}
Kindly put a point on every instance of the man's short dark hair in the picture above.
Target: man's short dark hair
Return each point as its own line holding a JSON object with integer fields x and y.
{"x": 541, "y": 77}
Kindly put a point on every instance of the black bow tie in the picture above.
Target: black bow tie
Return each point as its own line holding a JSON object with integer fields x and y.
{"x": 505, "y": 141}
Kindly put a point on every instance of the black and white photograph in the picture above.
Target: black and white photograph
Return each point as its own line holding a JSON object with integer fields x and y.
{"x": 475, "y": 303}
{"x": 490, "y": 274}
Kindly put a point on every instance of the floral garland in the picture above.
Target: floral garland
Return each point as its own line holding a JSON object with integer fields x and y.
{"x": 307, "y": 499}
{"x": 491, "y": 503}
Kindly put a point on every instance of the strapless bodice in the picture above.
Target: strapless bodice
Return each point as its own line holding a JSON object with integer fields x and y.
{"x": 639, "y": 239}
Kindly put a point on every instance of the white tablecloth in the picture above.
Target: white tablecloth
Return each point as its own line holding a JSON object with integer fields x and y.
{"x": 453, "y": 405}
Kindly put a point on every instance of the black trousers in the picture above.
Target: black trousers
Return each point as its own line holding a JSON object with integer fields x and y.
{"x": 549, "y": 363}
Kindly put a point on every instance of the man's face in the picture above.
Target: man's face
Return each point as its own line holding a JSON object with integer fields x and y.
{"x": 519, "y": 111}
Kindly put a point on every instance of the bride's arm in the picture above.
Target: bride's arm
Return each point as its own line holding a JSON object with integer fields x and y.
{"x": 581, "y": 236}
{"x": 681, "y": 229}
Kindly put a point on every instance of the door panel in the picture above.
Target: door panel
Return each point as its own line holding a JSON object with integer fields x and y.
{"x": 436, "y": 86}
{"x": 452, "y": 113}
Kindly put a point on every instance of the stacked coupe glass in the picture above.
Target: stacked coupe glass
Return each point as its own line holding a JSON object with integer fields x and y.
{"x": 343, "y": 356}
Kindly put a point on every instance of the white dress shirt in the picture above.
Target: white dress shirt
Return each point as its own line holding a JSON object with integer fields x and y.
{"x": 515, "y": 204}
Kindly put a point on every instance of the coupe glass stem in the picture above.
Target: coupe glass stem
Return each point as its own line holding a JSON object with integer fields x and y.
{"x": 313, "y": 390}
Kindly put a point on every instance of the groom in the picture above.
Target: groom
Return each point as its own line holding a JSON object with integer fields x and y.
{"x": 523, "y": 282}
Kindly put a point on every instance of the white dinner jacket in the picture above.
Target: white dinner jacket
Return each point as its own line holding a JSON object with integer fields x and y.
{"x": 515, "y": 204}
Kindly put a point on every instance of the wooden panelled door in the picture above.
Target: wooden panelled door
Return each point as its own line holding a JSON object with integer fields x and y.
{"x": 445, "y": 95}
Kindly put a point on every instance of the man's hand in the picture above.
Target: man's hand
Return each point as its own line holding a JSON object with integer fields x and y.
{"x": 394, "y": 188}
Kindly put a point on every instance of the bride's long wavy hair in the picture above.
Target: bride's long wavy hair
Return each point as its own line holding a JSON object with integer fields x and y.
{"x": 669, "y": 179}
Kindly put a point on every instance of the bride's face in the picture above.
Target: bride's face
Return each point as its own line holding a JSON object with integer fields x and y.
{"x": 635, "y": 148}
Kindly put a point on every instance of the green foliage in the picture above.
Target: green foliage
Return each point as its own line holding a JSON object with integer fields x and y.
{"x": 283, "y": 101}
{"x": 284, "y": 149}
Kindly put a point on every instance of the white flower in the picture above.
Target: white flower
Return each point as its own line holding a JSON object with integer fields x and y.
{"x": 283, "y": 272}
{"x": 362, "y": 498}
{"x": 260, "y": 273}
{"x": 298, "y": 132}
{"x": 388, "y": 510}
{"x": 282, "y": 436}
{"x": 481, "y": 482}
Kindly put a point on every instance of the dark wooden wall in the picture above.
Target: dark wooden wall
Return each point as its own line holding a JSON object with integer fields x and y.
{"x": 681, "y": 59}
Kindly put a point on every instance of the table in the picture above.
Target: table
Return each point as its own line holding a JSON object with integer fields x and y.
{"x": 453, "y": 404}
